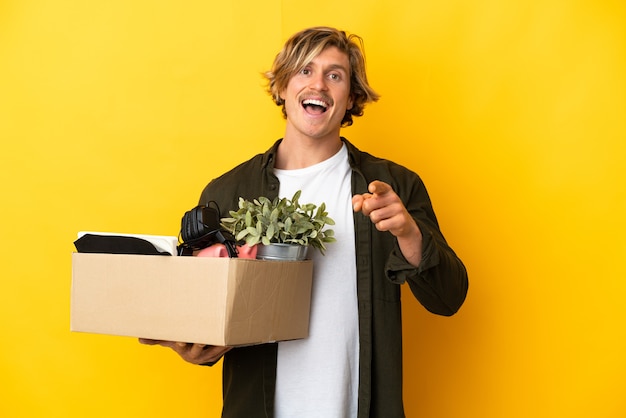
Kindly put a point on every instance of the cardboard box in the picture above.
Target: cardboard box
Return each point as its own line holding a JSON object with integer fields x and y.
{"x": 218, "y": 301}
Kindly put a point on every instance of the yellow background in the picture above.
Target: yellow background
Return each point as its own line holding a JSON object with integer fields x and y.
{"x": 114, "y": 115}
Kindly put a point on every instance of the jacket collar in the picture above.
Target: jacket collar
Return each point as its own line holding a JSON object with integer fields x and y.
{"x": 269, "y": 160}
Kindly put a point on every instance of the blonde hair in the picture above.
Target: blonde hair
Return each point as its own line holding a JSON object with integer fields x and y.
{"x": 303, "y": 47}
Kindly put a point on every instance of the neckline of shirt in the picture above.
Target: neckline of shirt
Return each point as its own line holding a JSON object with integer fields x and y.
{"x": 339, "y": 156}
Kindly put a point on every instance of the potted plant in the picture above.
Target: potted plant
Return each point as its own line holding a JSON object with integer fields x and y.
{"x": 284, "y": 227}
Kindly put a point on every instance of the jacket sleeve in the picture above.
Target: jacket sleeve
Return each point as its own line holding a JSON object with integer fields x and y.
{"x": 440, "y": 282}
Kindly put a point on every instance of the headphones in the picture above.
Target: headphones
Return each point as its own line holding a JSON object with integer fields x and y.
{"x": 200, "y": 228}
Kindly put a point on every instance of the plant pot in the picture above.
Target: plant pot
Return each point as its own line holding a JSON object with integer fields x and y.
{"x": 280, "y": 251}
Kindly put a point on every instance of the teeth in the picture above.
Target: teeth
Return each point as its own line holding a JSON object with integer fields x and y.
{"x": 315, "y": 102}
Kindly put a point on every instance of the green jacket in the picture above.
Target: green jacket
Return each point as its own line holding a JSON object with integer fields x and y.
{"x": 440, "y": 284}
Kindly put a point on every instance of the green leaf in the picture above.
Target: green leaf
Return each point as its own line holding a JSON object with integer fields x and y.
{"x": 252, "y": 240}
{"x": 242, "y": 234}
{"x": 270, "y": 231}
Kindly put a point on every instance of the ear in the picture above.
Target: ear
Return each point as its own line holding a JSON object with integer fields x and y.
{"x": 350, "y": 103}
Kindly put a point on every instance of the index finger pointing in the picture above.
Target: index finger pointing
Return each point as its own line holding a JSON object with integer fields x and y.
{"x": 379, "y": 187}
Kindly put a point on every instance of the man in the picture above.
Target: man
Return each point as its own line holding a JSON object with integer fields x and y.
{"x": 351, "y": 363}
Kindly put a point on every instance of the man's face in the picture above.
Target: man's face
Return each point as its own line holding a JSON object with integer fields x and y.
{"x": 317, "y": 97}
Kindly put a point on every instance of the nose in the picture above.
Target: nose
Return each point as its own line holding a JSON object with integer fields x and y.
{"x": 318, "y": 82}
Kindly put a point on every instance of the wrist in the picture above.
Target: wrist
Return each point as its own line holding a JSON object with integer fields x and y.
{"x": 410, "y": 245}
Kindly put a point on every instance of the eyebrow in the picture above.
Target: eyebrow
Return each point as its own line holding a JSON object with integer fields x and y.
{"x": 338, "y": 67}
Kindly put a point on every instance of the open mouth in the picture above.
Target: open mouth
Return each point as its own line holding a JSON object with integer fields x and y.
{"x": 315, "y": 106}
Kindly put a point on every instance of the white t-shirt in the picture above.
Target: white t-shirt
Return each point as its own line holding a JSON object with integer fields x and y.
{"x": 319, "y": 376}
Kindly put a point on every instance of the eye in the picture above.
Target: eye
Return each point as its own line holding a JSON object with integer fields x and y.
{"x": 334, "y": 76}
{"x": 305, "y": 71}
